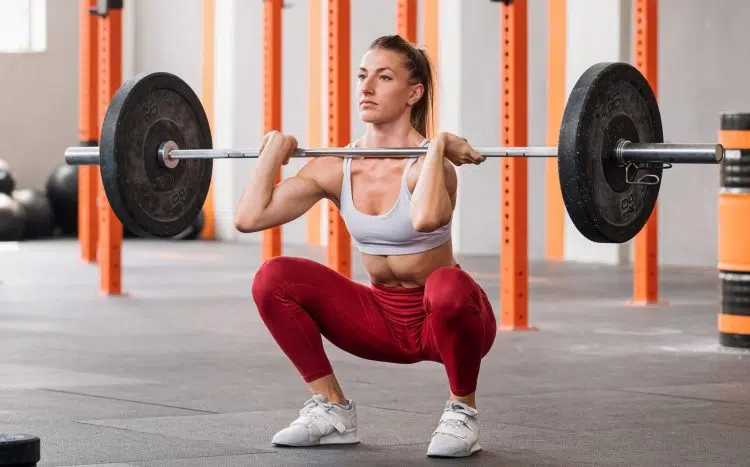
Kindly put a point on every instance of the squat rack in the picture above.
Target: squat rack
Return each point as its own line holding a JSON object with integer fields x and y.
{"x": 100, "y": 232}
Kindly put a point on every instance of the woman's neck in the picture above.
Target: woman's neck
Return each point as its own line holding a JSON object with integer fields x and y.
{"x": 392, "y": 135}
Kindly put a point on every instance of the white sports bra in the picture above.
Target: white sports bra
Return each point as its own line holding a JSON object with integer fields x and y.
{"x": 391, "y": 233}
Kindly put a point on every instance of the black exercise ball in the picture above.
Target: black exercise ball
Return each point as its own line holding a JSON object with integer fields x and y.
{"x": 12, "y": 219}
{"x": 7, "y": 181}
{"x": 62, "y": 191}
{"x": 40, "y": 219}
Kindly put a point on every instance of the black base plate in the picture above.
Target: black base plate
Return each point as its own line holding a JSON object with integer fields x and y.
{"x": 19, "y": 450}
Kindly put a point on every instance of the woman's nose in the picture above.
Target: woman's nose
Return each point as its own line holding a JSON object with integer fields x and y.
{"x": 367, "y": 86}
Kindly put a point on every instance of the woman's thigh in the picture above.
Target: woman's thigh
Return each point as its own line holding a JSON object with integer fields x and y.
{"x": 346, "y": 312}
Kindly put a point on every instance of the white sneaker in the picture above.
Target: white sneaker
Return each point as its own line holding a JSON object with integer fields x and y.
{"x": 320, "y": 422}
{"x": 457, "y": 434}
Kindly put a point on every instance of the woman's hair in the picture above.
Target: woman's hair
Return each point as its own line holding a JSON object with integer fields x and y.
{"x": 420, "y": 69}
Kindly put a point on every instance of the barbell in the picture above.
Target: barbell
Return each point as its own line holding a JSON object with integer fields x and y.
{"x": 156, "y": 158}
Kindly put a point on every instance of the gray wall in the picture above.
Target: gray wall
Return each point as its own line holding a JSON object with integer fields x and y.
{"x": 703, "y": 65}
{"x": 39, "y": 100}
{"x": 168, "y": 36}
{"x": 537, "y": 85}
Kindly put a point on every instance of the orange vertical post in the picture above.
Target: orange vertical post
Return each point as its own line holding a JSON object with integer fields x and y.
{"x": 514, "y": 115}
{"x": 430, "y": 31}
{"x": 339, "y": 126}
{"x": 646, "y": 268}
{"x": 272, "y": 99}
{"x": 314, "y": 104}
{"x": 88, "y": 175}
{"x": 110, "y": 79}
{"x": 207, "y": 96}
{"x": 556, "y": 96}
{"x": 406, "y": 20}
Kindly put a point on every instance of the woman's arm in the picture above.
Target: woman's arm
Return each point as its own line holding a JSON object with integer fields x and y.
{"x": 263, "y": 204}
{"x": 433, "y": 199}
{"x": 434, "y": 196}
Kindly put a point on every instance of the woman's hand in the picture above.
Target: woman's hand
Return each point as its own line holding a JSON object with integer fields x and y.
{"x": 264, "y": 203}
{"x": 278, "y": 146}
{"x": 459, "y": 151}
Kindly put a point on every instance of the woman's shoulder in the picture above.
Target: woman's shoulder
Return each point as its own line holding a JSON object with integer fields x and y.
{"x": 324, "y": 165}
{"x": 326, "y": 171}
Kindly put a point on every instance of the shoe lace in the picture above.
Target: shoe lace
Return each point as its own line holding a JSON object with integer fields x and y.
{"x": 316, "y": 410}
{"x": 453, "y": 421}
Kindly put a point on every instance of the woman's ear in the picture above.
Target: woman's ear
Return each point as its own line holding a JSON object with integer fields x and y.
{"x": 416, "y": 93}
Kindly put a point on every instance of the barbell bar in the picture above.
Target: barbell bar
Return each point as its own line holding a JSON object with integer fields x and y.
{"x": 625, "y": 152}
{"x": 156, "y": 155}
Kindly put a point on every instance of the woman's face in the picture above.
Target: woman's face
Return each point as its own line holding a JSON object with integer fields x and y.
{"x": 383, "y": 89}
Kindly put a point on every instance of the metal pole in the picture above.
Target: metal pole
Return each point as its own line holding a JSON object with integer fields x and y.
{"x": 81, "y": 155}
{"x": 625, "y": 152}
{"x": 541, "y": 151}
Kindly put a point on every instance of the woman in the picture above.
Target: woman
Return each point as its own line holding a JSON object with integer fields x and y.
{"x": 420, "y": 305}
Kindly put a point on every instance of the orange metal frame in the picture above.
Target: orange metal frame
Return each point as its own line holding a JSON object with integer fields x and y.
{"x": 406, "y": 20}
{"x": 514, "y": 122}
{"x": 556, "y": 97}
{"x": 88, "y": 131}
{"x": 207, "y": 96}
{"x": 430, "y": 31}
{"x": 339, "y": 128}
{"x": 646, "y": 267}
{"x": 100, "y": 232}
{"x": 272, "y": 99}
{"x": 314, "y": 104}
{"x": 110, "y": 79}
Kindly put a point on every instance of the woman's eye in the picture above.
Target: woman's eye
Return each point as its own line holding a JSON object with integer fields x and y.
{"x": 360, "y": 76}
{"x": 385, "y": 77}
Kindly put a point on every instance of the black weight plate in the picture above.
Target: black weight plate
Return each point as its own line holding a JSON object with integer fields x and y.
{"x": 19, "y": 449}
{"x": 610, "y": 101}
{"x": 151, "y": 200}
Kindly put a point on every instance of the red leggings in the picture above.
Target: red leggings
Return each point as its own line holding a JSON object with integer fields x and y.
{"x": 449, "y": 320}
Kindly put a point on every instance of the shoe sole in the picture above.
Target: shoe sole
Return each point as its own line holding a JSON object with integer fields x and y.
{"x": 337, "y": 438}
{"x": 474, "y": 449}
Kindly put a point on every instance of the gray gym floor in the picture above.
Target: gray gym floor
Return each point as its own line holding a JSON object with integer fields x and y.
{"x": 181, "y": 371}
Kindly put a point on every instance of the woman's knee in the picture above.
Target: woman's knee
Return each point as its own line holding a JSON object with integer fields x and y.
{"x": 270, "y": 278}
{"x": 275, "y": 277}
{"x": 450, "y": 291}
{"x": 460, "y": 312}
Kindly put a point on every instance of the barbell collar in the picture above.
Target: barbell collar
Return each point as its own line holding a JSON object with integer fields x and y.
{"x": 82, "y": 155}
{"x": 668, "y": 153}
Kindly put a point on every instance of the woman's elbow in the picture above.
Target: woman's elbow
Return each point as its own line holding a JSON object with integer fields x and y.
{"x": 426, "y": 224}
{"x": 245, "y": 224}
